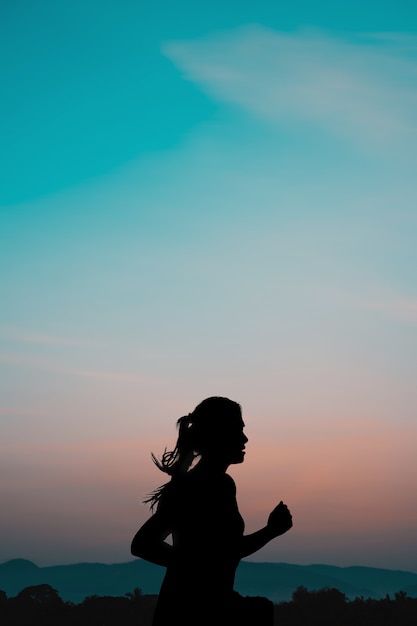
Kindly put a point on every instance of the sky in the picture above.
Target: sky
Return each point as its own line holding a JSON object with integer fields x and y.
{"x": 204, "y": 199}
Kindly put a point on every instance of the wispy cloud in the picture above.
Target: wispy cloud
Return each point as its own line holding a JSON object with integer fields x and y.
{"x": 49, "y": 365}
{"x": 400, "y": 308}
{"x": 25, "y": 411}
{"x": 25, "y": 360}
{"x": 116, "y": 376}
{"x": 51, "y": 340}
{"x": 24, "y": 336}
{"x": 362, "y": 89}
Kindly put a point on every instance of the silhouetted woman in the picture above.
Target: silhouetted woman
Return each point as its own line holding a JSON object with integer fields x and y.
{"x": 198, "y": 508}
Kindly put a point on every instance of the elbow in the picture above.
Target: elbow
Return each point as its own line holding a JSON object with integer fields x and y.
{"x": 142, "y": 551}
{"x": 141, "y": 543}
{"x": 137, "y": 551}
{"x": 137, "y": 548}
{"x": 149, "y": 540}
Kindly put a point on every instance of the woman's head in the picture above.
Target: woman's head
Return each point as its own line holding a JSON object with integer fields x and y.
{"x": 215, "y": 427}
{"x": 213, "y": 431}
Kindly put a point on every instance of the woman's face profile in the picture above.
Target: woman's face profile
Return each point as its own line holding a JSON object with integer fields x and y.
{"x": 229, "y": 444}
{"x": 237, "y": 443}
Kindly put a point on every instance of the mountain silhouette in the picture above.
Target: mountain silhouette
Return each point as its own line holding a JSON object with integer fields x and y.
{"x": 19, "y": 566}
{"x": 276, "y": 581}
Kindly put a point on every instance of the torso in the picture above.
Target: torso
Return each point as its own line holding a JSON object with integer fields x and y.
{"x": 207, "y": 529}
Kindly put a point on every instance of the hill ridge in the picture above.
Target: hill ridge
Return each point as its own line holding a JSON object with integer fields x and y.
{"x": 274, "y": 580}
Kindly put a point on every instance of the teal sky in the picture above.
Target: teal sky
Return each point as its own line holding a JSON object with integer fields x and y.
{"x": 209, "y": 199}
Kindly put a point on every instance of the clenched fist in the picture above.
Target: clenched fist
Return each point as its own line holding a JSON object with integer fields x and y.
{"x": 280, "y": 520}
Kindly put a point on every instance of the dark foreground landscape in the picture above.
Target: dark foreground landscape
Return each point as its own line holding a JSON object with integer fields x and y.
{"x": 124, "y": 594}
{"x": 41, "y": 605}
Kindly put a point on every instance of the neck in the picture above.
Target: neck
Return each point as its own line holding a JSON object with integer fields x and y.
{"x": 212, "y": 464}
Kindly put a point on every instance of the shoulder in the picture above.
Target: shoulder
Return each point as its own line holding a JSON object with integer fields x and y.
{"x": 165, "y": 496}
{"x": 229, "y": 483}
{"x": 173, "y": 491}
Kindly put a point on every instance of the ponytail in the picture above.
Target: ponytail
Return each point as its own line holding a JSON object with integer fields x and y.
{"x": 175, "y": 462}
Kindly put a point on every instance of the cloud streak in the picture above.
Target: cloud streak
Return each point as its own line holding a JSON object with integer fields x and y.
{"x": 48, "y": 365}
{"x": 24, "y": 336}
{"x": 361, "y": 90}
{"x": 404, "y": 309}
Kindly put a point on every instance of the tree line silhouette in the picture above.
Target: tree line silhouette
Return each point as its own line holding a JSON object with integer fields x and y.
{"x": 42, "y": 605}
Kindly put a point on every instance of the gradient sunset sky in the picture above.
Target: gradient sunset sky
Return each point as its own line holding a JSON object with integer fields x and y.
{"x": 209, "y": 198}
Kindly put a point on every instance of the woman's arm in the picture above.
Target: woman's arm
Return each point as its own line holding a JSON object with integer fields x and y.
{"x": 149, "y": 542}
{"x": 279, "y": 521}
